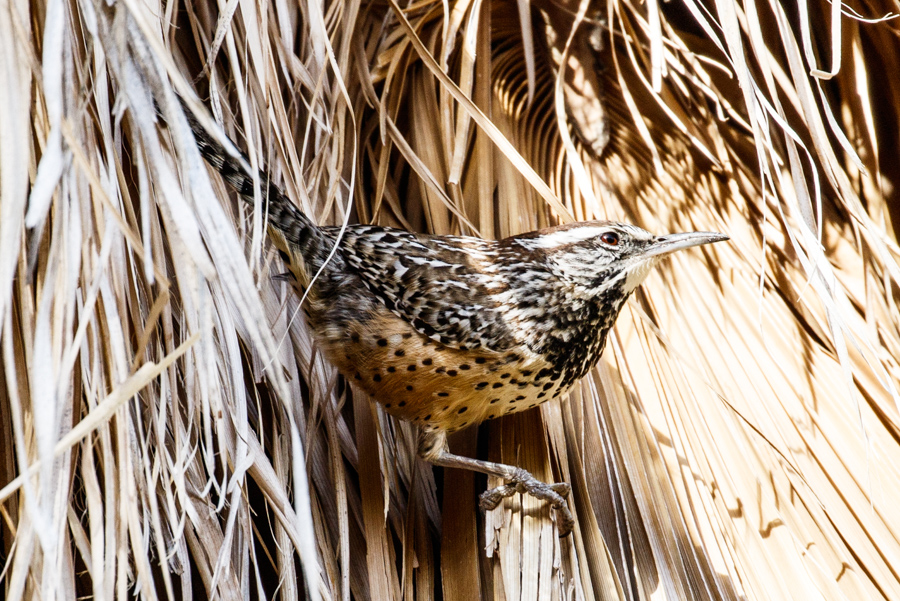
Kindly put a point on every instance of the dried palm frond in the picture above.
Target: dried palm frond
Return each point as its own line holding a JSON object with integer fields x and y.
{"x": 168, "y": 428}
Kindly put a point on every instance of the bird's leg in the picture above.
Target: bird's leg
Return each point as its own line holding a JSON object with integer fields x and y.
{"x": 433, "y": 449}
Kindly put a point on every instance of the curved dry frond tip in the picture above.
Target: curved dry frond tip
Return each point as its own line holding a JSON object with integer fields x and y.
{"x": 739, "y": 439}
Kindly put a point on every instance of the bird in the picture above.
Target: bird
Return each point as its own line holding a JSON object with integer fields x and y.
{"x": 449, "y": 331}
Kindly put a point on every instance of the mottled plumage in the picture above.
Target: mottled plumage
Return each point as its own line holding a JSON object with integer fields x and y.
{"x": 447, "y": 331}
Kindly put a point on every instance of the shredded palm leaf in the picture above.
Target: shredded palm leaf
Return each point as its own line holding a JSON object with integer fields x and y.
{"x": 168, "y": 428}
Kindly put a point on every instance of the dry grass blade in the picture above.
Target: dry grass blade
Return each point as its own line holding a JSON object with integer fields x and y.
{"x": 169, "y": 429}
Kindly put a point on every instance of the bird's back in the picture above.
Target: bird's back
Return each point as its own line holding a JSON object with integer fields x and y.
{"x": 418, "y": 322}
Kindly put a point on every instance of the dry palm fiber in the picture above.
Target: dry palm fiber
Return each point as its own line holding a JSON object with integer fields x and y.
{"x": 168, "y": 429}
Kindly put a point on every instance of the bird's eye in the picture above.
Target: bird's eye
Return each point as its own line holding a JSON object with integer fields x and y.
{"x": 610, "y": 239}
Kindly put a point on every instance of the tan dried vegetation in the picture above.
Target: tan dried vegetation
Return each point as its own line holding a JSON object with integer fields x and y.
{"x": 167, "y": 428}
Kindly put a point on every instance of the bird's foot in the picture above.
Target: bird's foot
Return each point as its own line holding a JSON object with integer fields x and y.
{"x": 524, "y": 483}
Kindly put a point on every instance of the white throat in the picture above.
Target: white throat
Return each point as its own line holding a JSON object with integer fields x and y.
{"x": 637, "y": 273}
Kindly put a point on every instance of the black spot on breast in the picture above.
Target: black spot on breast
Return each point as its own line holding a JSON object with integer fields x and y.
{"x": 505, "y": 375}
{"x": 377, "y": 377}
{"x": 401, "y": 404}
{"x": 481, "y": 385}
{"x": 388, "y": 406}
{"x": 392, "y": 369}
{"x": 498, "y": 385}
{"x": 399, "y": 352}
{"x": 427, "y": 417}
{"x": 409, "y": 388}
{"x": 410, "y": 368}
{"x": 440, "y": 370}
{"x": 407, "y": 336}
{"x": 480, "y": 360}
{"x": 520, "y": 397}
{"x": 525, "y": 372}
{"x": 427, "y": 361}
{"x": 381, "y": 342}
{"x": 543, "y": 373}
{"x": 354, "y": 337}
{"x": 443, "y": 394}
{"x": 491, "y": 416}
{"x": 284, "y": 256}
{"x": 548, "y": 385}
{"x": 494, "y": 401}
{"x": 464, "y": 367}
{"x": 541, "y": 395}
{"x": 462, "y": 410}
{"x": 532, "y": 406}
{"x": 451, "y": 372}
{"x": 357, "y": 376}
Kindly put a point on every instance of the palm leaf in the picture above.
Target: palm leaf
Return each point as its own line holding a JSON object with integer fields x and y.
{"x": 170, "y": 430}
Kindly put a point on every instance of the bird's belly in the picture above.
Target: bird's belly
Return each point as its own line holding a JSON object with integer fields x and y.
{"x": 436, "y": 386}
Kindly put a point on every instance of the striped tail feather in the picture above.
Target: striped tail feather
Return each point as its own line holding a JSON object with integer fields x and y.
{"x": 303, "y": 245}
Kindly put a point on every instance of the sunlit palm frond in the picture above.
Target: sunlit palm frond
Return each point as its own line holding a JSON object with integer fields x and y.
{"x": 169, "y": 429}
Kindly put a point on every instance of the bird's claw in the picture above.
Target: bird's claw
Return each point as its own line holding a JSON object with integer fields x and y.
{"x": 524, "y": 483}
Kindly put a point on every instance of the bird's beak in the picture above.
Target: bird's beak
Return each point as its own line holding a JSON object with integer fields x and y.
{"x": 664, "y": 245}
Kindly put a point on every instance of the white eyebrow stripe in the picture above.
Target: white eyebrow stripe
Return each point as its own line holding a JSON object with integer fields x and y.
{"x": 578, "y": 234}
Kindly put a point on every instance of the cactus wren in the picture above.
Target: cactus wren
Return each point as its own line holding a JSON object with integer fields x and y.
{"x": 449, "y": 331}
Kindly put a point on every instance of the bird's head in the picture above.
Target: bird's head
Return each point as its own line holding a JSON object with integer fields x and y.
{"x": 597, "y": 256}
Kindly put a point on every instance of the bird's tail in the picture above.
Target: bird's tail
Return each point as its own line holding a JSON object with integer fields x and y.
{"x": 303, "y": 245}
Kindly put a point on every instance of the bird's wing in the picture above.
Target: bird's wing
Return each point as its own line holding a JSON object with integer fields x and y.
{"x": 449, "y": 289}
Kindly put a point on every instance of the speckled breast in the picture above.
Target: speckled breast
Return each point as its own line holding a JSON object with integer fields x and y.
{"x": 433, "y": 385}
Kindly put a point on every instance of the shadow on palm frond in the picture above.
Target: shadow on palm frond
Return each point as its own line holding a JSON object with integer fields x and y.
{"x": 170, "y": 427}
